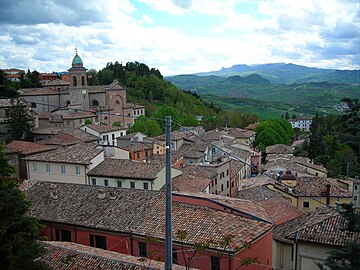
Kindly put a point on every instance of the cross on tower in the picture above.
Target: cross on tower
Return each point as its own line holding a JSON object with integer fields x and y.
{"x": 76, "y": 50}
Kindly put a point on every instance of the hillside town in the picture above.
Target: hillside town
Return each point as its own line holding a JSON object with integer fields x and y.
{"x": 99, "y": 191}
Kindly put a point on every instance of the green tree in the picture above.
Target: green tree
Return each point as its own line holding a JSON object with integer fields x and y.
{"x": 7, "y": 88}
{"x": 190, "y": 121}
{"x": 147, "y": 126}
{"x": 19, "y": 245}
{"x": 5, "y": 168}
{"x": 168, "y": 111}
{"x": 20, "y": 123}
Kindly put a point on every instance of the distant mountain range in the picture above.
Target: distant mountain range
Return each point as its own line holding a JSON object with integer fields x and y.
{"x": 272, "y": 89}
{"x": 281, "y": 73}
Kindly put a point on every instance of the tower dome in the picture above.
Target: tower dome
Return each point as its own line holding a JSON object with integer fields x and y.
{"x": 77, "y": 61}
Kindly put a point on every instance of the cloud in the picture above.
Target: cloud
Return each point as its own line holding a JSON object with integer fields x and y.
{"x": 68, "y": 12}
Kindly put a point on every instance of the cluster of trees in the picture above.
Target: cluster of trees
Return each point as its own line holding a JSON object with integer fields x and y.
{"x": 19, "y": 245}
{"x": 334, "y": 141}
{"x": 7, "y": 87}
{"x": 273, "y": 131}
{"x": 146, "y": 86}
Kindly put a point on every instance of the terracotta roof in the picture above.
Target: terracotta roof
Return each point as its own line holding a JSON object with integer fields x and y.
{"x": 78, "y": 115}
{"x": 235, "y": 167}
{"x": 142, "y": 212}
{"x": 105, "y": 128}
{"x": 288, "y": 176}
{"x": 78, "y": 154}
{"x": 316, "y": 187}
{"x": 252, "y": 126}
{"x": 27, "y": 148}
{"x": 190, "y": 183}
{"x": 280, "y": 209}
{"x": 194, "y": 150}
{"x": 210, "y": 136}
{"x": 137, "y": 147}
{"x": 280, "y": 232}
{"x": 259, "y": 180}
{"x": 77, "y": 133}
{"x": 241, "y": 133}
{"x": 278, "y": 149}
{"x": 17, "y": 76}
{"x": 258, "y": 193}
{"x": 303, "y": 162}
{"x": 124, "y": 168}
{"x": 325, "y": 226}
{"x": 175, "y": 136}
{"x": 38, "y": 91}
{"x": 239, "y": 153}
{"x": 72, "y": 256}
{"x": 63, "y": 139}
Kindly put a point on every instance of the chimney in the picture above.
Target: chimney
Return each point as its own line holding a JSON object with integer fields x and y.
{"x": 101, "y": 194}
{"x": 54, "y": 193}
{"x": 328, "y": 186}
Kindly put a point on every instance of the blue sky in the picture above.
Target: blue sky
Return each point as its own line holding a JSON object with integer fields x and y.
{"x": 179, "y": 36}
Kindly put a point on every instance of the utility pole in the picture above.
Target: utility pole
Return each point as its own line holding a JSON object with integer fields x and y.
{"x": 168, "y": 188}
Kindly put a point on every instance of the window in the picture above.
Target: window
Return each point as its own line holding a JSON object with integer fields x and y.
{"x": 47, "y": 168}
{"x": 146, "y": 185}
{"x": 138, "y": 155}
{"x": 355, "y": 187}
{"x": 132, "y": 184}
{"x": 63, "y": 169}
{"x": 93, "y": 181}
{"x": 98, "y": 241}
{"x": 63, "y": 235}
{"x": 216, "y": 192}
{"x": 142, "y": 249}
{"x": 214, "y": 263}
{"x": 117, "y": 102}
{"x": 232, "y": 184}
{"x": 212, "y": 183}
{"x": 106, "y": 182}
{"x": 77, "y": 170}
{"x": 82, "y": 80}
{"x": 119, "y": 183}
{"x": 113, "y": 136}
{"x": 222, "y": 187}
{"x": 175, "y": 256}
{"x": 355, "y": 198}
{"x": 74, "y": 81}
{"x": 227, "y": 184}
{"x": 215, "y": 181}
{"x": 34, "y": 165}
{"x": 306, "y": 204}
{"x": 227, "y": 171}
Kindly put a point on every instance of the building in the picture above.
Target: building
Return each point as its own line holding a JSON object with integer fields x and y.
{"x": 66, "y": 164}
{"x": 107, "y": 102}
{"x": 129, "y": 174}
{"x": 107, "y": 134}
{"x": 318, "y": 234}
{"x": 16, "y": 151}
{"x": 303, "y": 123}
{"x": 131, "y": 221}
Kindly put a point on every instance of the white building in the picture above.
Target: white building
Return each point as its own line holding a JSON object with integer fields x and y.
{"x": 107, "y": 134}
{"x": 303, "y": 123}
{"x": 66, "y": 164}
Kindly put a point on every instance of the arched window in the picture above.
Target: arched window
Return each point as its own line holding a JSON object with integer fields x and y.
{"x": 82, "y": 80}
{"x": 67, "y": 103}
{"x": 105, "y": 118}
{"x": 74, "y": 81}
{"x": 117, "y": 102}
{"x": 33, "y": 105}
{"x": 95, "y": 103}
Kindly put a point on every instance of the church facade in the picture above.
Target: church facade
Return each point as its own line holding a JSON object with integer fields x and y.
{"x": 70, "y": 103}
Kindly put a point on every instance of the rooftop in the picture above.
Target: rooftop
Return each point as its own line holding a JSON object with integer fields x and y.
{"x": 79, "y": 154}
{"x": 105, "y": 128}
{"x": 124, "y": 168}
{"x": 278, "y": 149}
{"x": 27, "y": 148}
{"x": 72, "y": 256}
{"x": 241, "y": 133}
{"x": 142, "y": 212}
{"x": 325, "y": 226}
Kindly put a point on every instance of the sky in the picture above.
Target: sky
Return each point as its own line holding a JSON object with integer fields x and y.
{"x": 179, "y": 36}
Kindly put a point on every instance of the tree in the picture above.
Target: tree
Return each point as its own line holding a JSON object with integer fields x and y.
{"x": 19, "y": 245}
{"x": 168, "y": 111}
{"x": 20, "y": 123}
{"x": 148, "y": 126}
{"x": 5, "y": 168}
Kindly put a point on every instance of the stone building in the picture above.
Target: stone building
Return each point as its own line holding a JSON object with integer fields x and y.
{"x": 106, "y": 102}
